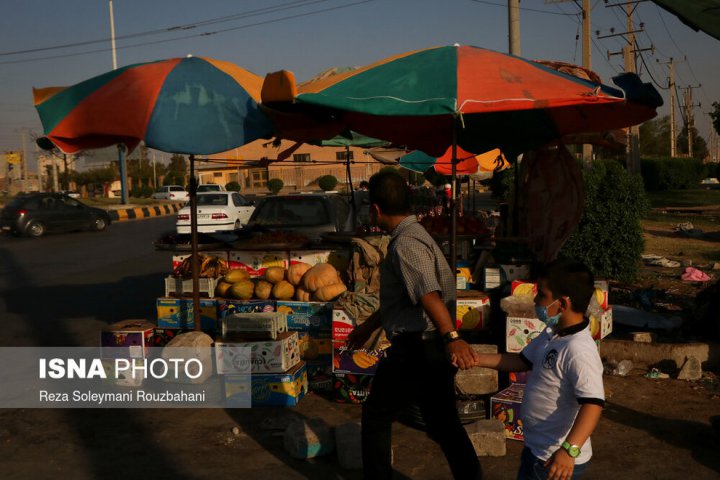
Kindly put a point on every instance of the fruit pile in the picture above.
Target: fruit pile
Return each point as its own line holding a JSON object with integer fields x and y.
{"x": 210, "y": 267}
{"x": 302, "y": 281}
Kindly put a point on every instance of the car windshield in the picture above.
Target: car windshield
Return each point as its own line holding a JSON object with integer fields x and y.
{"x": 177, "y": 189}
{"x": 292, "y": 212}
{"x": 209, "y": 200}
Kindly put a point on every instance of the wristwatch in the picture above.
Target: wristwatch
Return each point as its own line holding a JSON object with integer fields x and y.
{"x": 450, "y": 337}
{"x": 572, "y": 450}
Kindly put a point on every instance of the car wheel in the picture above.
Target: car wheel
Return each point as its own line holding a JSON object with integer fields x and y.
{"x": 100, "y": 224}
{"x": 35, "y": 229}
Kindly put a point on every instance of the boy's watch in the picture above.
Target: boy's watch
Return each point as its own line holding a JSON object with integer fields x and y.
{"x": 450, "y": 337}
{"x": 572, "y": 450}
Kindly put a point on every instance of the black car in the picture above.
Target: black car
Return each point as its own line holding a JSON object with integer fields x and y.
{"x": 35, "y": 214}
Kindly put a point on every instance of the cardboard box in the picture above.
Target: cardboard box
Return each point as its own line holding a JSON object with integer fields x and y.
{"x": 227, "y": 306}
{"x": 320, "y": 377}
{"x": 523, "y": 287}
{"x": 315, "y": 346}
{"x": 602, "y": 293}
{"x": 178, "y": 313}
{"x": 506, "y": 407}
{"x": 127, "y": 339}
{"x": 491, "y": 278}
{"x": 463, "y": 275}
{"x": 601, "y": 326}
{"x": 307, "y": 316}
{"x": 221, "y": 254}
{"x": 350, "y": 388}
{"x": 164, "y": 335}
{"x": 267, "y": 356}
{"x": 270, "y": 389}
{"x": 514, "y": 272}
{"x": 360, "y": 362}
{"x": 520, "y": 331}
{"x": 256, "y": 262}
{"x": 256, "y": 325}
{"x": 472, "y": 310}
{"x": 342, "y": 324}
{"x": 238, "y": 390}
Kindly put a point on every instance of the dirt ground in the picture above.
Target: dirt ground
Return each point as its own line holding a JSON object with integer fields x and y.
{"x": 650, "y": 429}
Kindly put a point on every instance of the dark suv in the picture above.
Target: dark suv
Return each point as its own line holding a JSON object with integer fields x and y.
{"x": 35, "y": 214}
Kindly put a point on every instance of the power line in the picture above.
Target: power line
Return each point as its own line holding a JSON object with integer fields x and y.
{"x": 204, "y": 34}
{"x": 504, "y": 5}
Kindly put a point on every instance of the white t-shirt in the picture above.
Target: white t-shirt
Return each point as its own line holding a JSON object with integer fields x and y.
{"x": 566, "y": 372}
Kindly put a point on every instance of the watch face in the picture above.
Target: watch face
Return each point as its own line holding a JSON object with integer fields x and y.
{"x": 574, "y": 451}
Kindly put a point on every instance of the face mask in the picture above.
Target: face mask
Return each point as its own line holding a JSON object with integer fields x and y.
{"x": 541, "y": 313}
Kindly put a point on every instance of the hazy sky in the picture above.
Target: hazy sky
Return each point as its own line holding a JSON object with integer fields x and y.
{"x": 310, "y": 36}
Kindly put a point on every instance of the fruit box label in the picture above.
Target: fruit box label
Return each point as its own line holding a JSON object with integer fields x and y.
{"x": 472, "y": 313}
{"x": 268, "y": 356}
{"x": 255, "y": 263}
{"x": 342, "y": 324}
{"x": 272, "y": 389}
{"x": 315, "y": 346}
{"x": 362, "y": 362}
{"x": 602, "y": 326}
{"x": 520, "y": 332}
{"x": 178, "y": 313}
{"x": 350, "y": 388}
{"x": 506, "y": 407}
{"x": 522, "y": 287}
{"x": 127, "y": 339}
{"x": 307, "y": 316}
{"x": 227, "y": 307}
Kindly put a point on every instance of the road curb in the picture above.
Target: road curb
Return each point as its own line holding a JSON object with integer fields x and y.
{"x": 137, "y": 213}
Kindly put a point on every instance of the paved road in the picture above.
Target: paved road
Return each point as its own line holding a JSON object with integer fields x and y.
{"x": 61, "y": 289}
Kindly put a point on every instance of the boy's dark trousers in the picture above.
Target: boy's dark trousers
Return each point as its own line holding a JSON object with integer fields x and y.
{"x": 415, "y": 369}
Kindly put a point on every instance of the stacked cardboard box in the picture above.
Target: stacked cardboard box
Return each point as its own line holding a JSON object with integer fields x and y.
{"x": 130, "y": 339}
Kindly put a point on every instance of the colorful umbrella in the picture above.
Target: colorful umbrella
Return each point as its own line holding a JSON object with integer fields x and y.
{"x": 190, "y": 105}
{"x": 467, "y": 163}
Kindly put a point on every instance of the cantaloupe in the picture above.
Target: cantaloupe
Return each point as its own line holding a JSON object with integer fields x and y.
{"x": 283, "y": 290}
{"x": 263, "y": 290}
{"x": 236, "y": 275}
{"x": 243, "y": 290}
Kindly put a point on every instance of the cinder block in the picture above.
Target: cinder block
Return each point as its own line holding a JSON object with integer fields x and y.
{"x": 691, "y": 369}
{"x": 308, "y": 438}
{"x": 478, "y": 381}
{"x": 644, "y": 337}
{"x": 348, "y": 445}
{"x": 488, "y": 437}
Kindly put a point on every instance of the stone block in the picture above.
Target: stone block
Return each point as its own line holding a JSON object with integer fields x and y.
{"x": 643, "y": 337}
{"x": 348, "y": 445}
{"x": 488, "y": 437}
{"x": 478, "y": 381}
{"x": 691, "y": 369}
{"x": 190, "y": 345}
{"x": 308, "y": 438}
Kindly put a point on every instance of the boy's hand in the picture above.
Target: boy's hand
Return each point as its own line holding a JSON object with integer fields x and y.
{"x": 462, "y": 355}
{"x": 560, "y": 466}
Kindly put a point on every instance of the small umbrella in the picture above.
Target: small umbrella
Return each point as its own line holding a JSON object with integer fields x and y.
{"x": 191, "y": 105}
{"x": 476, "y": 99}
{"x": 467, "y": 163}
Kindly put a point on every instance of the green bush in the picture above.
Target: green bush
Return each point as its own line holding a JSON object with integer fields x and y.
{"x": 672, "y": 173}
{"x": 232, "y": 187}
{"x": 502, "y": 183}
{"x": 609, "y": 238}
{"x": 275, "y": 185}
{"x": 327, "y": 182}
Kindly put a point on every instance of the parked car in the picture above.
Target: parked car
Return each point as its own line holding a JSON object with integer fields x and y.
{"x": 217, "y": 212}
{"x": 210, "y": 187}
{"x": 172, "y": 192}
{"x": 309, "y": 214}
{"x": 35, "y": 214}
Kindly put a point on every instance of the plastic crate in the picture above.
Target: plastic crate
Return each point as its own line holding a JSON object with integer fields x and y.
{"x": 180, "y": 287}
{"x": 257, "y": 325}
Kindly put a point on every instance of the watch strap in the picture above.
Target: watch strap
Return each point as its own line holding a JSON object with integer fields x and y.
{"x": 451, "y": 336}
{"x": 572, "y": 450}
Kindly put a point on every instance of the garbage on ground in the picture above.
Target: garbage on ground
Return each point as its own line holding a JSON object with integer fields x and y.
{"x": 658, "y": 261}
{"x": 620, "y": 369}
{"x": 694, "y": 275}
{"x": 688, "y": 229}
{"x": 655, "y": 373}
{"x": 633, "y": 317}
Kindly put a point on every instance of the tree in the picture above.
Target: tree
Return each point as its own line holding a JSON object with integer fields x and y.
{"x": 232, "y": 187}
{"x": 700, "y": 149}
{"x": 176, "y": 171}
{"x": 327, "y": 182}
{"x": 275, "y": 185}
{"x": 715, "y": 115}
{"x": 655, "y": 137}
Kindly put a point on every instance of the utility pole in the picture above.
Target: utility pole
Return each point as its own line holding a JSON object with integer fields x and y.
{"x": 586, "y": 62}
{"x": 24, "y": 173}
{"x": 689, "y": 116}
{"x": 112, "y": 35}
{"x": 514, "y": 26}
{"x": 671, "y": 87}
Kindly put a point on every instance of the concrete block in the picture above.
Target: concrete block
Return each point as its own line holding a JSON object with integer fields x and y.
{"x": 308, "y": 438}
{"x": 190, "y": 345}
{"x": 488, "y": 437}
{"x": 348, "y": 445}
{"x": 643, "y": 337}
{"x": 478, "y": 381}
{"x": 690, "y": 370}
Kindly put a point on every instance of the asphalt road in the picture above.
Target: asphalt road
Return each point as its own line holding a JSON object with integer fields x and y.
{"x": 60, "y": 290}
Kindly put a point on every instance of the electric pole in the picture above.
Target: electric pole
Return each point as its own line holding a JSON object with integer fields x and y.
{"x": 514, "y": 26}
{"x": 671, "y": 86}
{"x": 689, "y": 117}
{"x": 586, "y": 62}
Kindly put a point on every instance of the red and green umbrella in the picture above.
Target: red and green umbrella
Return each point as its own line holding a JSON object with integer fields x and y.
{"x": 190, "y": 105}
{"x": 466, "y": 163}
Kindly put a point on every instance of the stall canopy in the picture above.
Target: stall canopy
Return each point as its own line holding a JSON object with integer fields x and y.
{"x": 697, "y": 14}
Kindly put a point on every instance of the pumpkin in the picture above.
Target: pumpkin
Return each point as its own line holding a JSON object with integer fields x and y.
{"x": 243, "y": 290}
{"x": 329, "y": 292}
{"x": 283, "y": 290}
{"x": 222, "y": 288}
{"x": 236, "y": 275}
{"x": 319, "y": 276}
{"x": 263, "y": 290}
{"x": 296, "y": 272}
{"x": 301, "y": 294}
{"x": 274, "y": 274}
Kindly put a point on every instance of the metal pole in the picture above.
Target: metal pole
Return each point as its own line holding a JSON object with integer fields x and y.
{"x": 587, "y": 62}
{"x": 453, "y": 200}
{"x": 24, "y": 173}
{"x": 514, "y": 26}
{"x": 673, "y": 146}
{"x": 112, "y": 35}
{"x": 195, "y": 260}
{"x": 123, "y": 175}
{"x": 154, "y": 173}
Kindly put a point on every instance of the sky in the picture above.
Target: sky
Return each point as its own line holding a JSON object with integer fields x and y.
{"x": 310, "y": 36}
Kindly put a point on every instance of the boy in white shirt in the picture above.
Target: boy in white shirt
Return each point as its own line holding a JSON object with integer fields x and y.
{"x": 564, "y": 395}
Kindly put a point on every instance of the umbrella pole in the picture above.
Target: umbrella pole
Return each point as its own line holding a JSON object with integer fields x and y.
{"x": 453, "y": 201}
{"x": 195, "y": 261}
{"x": 350, "y": 185}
